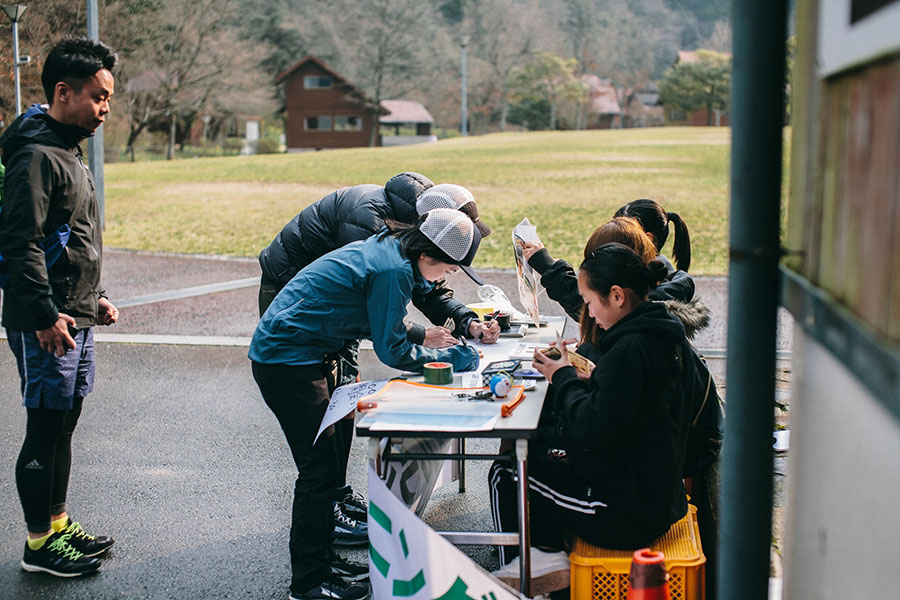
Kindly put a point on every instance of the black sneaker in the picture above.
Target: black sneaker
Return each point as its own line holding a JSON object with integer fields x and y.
{"x": 354, "y": 505}
{"x": 349, "y": 570}
{"x": 58, "y": 557}
{"x": 334, "y": 588}
{"x": 348, "y": 531}
{"x": 85, "y": 543}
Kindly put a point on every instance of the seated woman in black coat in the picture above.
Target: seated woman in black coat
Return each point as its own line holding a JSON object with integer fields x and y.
{"x": 607, "y": 463}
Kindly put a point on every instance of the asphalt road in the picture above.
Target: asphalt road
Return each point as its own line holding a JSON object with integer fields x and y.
{"x": 177, "y": 457}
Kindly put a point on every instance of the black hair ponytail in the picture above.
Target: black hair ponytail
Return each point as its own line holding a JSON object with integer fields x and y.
{"x": 681, "y": 246}
{"x": 654, "y": 219}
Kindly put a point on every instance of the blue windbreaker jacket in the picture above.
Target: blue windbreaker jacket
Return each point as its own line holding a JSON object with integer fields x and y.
{"x": 358, "y": 291}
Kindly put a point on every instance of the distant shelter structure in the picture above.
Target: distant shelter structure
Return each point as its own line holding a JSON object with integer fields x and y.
{"x": 406, "y": 114}
{"x": 602, "y": 107}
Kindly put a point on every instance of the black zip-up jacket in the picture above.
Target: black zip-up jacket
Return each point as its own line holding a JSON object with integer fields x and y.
{"x": 44, "y": 177}
{"x": 561, "y": 282}
{"x": 625, "y": 430}
{"x": 356, "y": 213}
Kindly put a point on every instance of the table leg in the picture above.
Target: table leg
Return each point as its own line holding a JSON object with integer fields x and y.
{"x": 524, "y": 520}
{"x": 375, "y": 454}
{"x": 462, "y": 466}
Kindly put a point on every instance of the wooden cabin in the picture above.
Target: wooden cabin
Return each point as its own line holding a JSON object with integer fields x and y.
{"x": 324, "y": 110}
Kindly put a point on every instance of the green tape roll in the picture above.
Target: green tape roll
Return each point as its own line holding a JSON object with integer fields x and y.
{"x": 438, "y": 373}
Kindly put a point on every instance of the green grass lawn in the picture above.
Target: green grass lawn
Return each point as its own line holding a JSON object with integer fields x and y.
{"x": 566, "y": 183}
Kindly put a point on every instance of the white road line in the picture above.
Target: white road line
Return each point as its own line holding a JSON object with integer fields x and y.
{"x": 188, "y": 292}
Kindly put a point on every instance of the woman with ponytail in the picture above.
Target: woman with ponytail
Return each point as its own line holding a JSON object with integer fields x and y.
{"x": 607, "y": 462}
{"x": 655, "y": 221}
{"x": 629, "y": 227}
{"x": 559, "y": 279}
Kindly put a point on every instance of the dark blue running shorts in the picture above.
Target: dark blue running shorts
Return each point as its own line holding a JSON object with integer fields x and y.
{"x": 48, "y": 380}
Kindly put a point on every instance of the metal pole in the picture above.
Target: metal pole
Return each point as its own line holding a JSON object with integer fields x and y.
{"x": 15, "y": 32}
{"x": 464, "y": 125}
{"x": 757, "y": 105}
{"x": 95, "y": 144}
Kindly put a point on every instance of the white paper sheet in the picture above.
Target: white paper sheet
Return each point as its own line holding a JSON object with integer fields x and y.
{"x": 344, "y": 399}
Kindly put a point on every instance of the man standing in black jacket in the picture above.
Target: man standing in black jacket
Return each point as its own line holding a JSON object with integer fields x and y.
{"x": 48, "y": 312}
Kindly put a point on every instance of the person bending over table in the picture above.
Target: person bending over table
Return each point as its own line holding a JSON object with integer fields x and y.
{"x": 348, "y": 215}
{"x": 358, "y": 291}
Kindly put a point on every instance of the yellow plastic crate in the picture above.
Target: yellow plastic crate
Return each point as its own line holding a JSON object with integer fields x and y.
{"x": 601, "y": 574}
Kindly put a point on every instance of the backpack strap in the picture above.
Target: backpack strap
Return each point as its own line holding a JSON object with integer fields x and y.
{"x": 705, "y": 399}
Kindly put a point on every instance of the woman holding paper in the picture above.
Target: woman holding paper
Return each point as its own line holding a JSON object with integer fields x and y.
{"x": 558, "y": 276}
{"x": 606, "y": 465}
{"x": 358, "y": 291}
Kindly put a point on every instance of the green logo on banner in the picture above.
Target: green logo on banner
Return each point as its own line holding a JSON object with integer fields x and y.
{"x": 405, "y": 588}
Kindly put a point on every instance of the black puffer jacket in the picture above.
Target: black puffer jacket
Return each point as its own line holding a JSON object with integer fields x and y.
{"x": 346, "y": 215}
{"x": 356, "y": 213}
{"x": 561, "y": 282}
{"x": 44, "y": 177}
{"x": 625, "y": 430}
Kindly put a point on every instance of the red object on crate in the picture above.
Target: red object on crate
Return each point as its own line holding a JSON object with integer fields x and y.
{"x": 648, "y": 579}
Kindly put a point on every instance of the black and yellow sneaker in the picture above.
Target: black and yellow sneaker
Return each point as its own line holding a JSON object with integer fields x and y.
{"x": 85, "y": 543}
{"x": 58, "y": 557}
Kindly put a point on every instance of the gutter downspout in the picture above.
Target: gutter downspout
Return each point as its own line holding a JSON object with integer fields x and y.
{"x": 757, "y": 100}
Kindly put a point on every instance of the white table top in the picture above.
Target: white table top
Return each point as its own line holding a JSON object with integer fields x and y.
{"x": 523, "y": 421}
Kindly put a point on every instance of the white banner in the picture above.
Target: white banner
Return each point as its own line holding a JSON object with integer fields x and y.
{"x": 408, "y": 560}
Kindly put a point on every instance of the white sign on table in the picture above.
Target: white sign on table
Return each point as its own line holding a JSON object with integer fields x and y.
{"x": 344, "y": 399}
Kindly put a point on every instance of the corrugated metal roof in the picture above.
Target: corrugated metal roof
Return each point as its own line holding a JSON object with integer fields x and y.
{"x": 404, "y": 111}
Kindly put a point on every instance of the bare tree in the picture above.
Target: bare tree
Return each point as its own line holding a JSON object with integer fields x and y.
{"x": 44, "y": 24}
{"x": 503, "y": 36}
{"x": 583, "y": 22}
{"x": 637, "y": 43}
{"x": 383, "y": 46}
{"x": 187, "y": 53}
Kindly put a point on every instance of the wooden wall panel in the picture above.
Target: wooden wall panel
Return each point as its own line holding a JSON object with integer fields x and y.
{"x": 830, "y": 269}
{"x": 851, "y": 237}
{"x": 804, "y": 228}
{"x": 871, "y": 191}
{"x": 893, "y": 328}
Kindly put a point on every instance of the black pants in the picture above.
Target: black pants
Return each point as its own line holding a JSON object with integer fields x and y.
{"x": 44, "y": 463}
{"x": 347, "y": 370}
{"x": 298, "y": 395}
{"x": 561, "y": 506}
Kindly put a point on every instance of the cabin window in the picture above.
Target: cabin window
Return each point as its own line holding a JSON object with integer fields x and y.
{"x": 313, "y": 82}
{"x": 347, "y": 124}
{"x": 318, "y": 123}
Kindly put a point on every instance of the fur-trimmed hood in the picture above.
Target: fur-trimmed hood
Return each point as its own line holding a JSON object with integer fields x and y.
{"x": 694, "y": 315}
